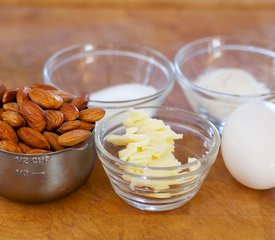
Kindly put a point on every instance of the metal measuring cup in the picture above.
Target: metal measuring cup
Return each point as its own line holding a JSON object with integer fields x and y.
{"x": 45, "y": 177}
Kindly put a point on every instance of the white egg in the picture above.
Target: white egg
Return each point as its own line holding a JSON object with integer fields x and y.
{"x": 248, "y": 144}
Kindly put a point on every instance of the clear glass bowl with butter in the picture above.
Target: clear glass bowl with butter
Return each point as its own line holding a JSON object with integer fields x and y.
{"x": 115, "y": 76}
{"x": 217, "y": 74}
{"x": 163, "y": 185}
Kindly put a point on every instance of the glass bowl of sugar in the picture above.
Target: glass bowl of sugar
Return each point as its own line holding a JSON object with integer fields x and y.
{"x": 217, "y": 74}
{"x": 115, "y": 76}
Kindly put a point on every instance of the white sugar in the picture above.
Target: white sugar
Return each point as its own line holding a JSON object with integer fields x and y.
{"x": 122, "y": 92}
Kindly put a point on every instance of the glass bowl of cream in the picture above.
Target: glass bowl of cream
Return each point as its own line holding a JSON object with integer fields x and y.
{"x": 115, "y": 76}
{"x": 217, "y": 74}
{"x": 156, "y": 158}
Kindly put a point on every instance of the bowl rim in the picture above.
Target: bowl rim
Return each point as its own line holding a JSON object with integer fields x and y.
{"x": 250, "y": 44}
{"x": 90, "y": 47}
{"x": 207, "y": 154}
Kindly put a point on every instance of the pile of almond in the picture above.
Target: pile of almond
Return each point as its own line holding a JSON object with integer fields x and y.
{"x": 41, "y": 119}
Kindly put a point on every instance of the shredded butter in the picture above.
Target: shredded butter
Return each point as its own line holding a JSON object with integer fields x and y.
{"x": 149, "y": 142}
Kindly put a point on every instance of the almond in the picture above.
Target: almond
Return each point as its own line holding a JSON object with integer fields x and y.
{"x": 25, "y": 148}
{"x": 13, "y": 118}
{"x": 67, "y": 97}
{"x": 73, "y": 137}
{"x": 33, "y": 138}
{"x": 11, "y": 106}
{"x": 43, "y": 86}
{"x": 3, "y": 89}
{"x": 22, "y": 95}
{"x": 52, "y": 139}
{"x": 81, "y": 102}
{"x": 10, "y": 95}
{"x": 69, "y": 111}
{"x": 76, "y": 124}
{"x": 1, "y": 111}
{"x": 7, "y": 132}
{"x": 10, "y": 146}
{"x": 91, "y": 114}
{"x": 45, "y": 99}
{"x": 34, "y": 115}
{"x": 54, "y": 119}
{"x": 37, "y": 151}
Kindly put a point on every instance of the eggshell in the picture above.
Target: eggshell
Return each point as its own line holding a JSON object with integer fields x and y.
{"x": 248, "y": 144}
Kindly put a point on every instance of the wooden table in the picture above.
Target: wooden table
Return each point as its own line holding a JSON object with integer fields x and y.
{"x": 223, "y": 209}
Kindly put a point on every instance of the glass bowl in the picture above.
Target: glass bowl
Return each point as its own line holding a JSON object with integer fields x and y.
{"x": 208, "y": 54}
{"x": 90, "y": 68}
{"x": 160, "y": 188}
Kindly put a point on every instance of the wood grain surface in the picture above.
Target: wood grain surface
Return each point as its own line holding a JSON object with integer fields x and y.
{"x": 222, "y": 209}
{"x": 186, "y": 4}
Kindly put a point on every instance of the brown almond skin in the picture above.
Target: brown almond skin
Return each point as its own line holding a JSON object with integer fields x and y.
{"x": 38, "y": 151}
{"x": 33, "y": 138}
{"x": 43, "y": 86}
{"x": 76, "y": 124}
{"x": 7, "y": 132}
{"x": 81, "y": 102}
{"x": 3, "y": 89}
{"x": 22, "y": 95}
{"x": 10, "y": 95}
{"x": 45, "y": 99}
{"x": 1, "y": 111}
{"x": 11, "y": 106}
{"x": 14, "y": 119}
{"x": 67, "y": 97}
{"x": 34, "y": 115}
{"x": 73, "y": 137}
{"x": 54, "y": 119}
{"x": 25, "y": 148}
{"x": 91, "y": 114}
{"x": 69, "y": 111}
{"x": 10, "y": 146}
{"x": 52, "y": 139}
